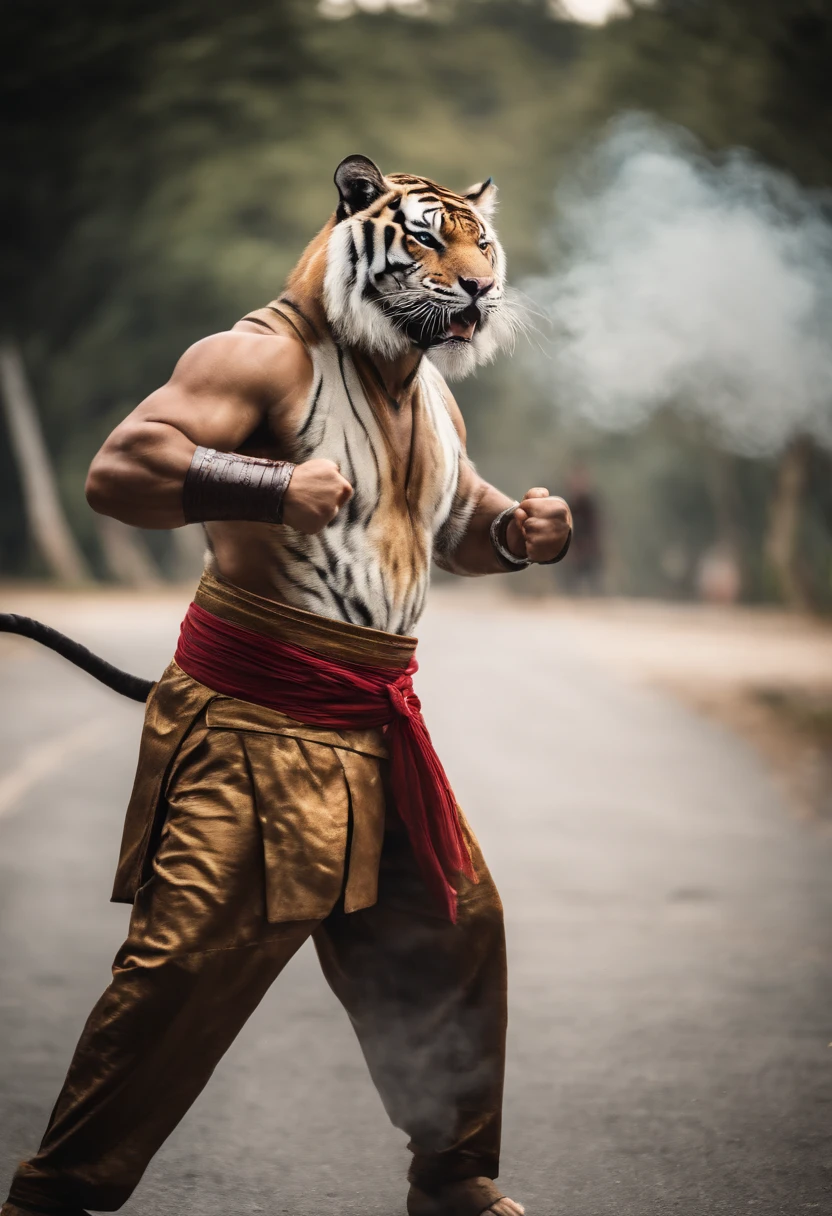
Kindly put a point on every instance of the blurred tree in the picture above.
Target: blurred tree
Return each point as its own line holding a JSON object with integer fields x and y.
{"x": 165, "y": 163}
{"x": 106, "y": 109}
{"x": 45, "y": 519}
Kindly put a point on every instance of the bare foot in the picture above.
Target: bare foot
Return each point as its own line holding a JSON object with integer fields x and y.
{"x": 469, "y": 1195}
{"x": 507, "y": 1207}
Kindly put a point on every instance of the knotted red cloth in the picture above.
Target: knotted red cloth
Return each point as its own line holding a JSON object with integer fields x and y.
{"x": 342, "y": 696}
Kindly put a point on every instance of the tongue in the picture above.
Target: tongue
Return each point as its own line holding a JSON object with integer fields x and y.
{"x": 460, "y": 328}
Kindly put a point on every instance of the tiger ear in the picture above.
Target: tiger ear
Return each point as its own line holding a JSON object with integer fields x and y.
{"x": 483, "y": 196}
{"x": 360, "y": 183}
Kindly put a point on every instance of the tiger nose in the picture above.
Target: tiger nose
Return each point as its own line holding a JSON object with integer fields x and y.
{"x": 476, "y": 287}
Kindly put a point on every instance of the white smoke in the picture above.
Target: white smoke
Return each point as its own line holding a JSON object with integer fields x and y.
{"x": 694, "y": 281}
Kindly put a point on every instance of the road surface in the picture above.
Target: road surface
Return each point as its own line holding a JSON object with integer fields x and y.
{"x": 669, "y": 920}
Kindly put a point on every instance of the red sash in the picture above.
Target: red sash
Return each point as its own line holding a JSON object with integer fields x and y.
{"x": 342, "y": 696}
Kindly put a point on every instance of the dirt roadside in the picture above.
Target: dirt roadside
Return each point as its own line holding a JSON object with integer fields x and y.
{"x": 762, "y": 672}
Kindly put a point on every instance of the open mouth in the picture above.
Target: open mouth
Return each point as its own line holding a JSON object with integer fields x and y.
{"x": 459, "y": 327}
{"x": 462, "y": 325}
{"x": 436, "y": 327}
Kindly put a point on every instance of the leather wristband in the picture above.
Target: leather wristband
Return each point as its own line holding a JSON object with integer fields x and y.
{"x": 223, "y": 485}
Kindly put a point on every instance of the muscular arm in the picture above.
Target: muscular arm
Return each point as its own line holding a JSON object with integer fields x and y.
{"x": 539, "y": 529}
{"x": 464, "y": 544}
{"x": 219, "y": 391}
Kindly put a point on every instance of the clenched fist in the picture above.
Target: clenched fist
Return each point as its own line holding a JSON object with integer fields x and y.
{"x": 315, "y": 495}
{"x": 539, "y": 527}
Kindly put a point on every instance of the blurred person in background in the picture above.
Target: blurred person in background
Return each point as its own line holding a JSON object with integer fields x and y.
{"x": 585, "y": 571}
{"x": 320, "y": 446}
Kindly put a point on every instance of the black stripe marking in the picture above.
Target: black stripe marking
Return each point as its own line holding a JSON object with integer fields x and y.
{"x": 301, "y": 314}
{"x": 331, "y": 556}
{"x": 352, "y": 510}
{"x": 349, "y": 473}
{"x": 356, "y": 414}
{"x": 341, "y": 603}
{"x": 363, "y": 611}
{"x": 297, "y": 555}
{"x": 369, "y": 229}
{"x": 354, "y": 501}
{"x": 304, "y": 588}
{"x": 289, "y": 321}
{"x": 288, "y": 578}
{"x": 308, "y": 419}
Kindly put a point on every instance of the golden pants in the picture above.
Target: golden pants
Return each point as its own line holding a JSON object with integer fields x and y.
{"x": 210, "y": 931}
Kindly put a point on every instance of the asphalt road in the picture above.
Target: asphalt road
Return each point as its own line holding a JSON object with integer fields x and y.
{"x": 670, "y": 925}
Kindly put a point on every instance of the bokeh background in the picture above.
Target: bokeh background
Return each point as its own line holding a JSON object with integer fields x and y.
{"x": 641, "y": 737}
{"x": 663, "y": 172}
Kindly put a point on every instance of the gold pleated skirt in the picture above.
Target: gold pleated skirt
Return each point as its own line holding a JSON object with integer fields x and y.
{"x": 313, "y": 790}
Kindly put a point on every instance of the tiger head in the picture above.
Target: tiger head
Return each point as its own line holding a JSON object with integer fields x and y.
{"x": 412, "y": 264}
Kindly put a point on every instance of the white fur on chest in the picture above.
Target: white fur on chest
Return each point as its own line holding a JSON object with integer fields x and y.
{"x": 370, "y": 566}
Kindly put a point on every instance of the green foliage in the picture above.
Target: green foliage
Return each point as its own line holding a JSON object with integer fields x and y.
{"x": 165, "y": 163}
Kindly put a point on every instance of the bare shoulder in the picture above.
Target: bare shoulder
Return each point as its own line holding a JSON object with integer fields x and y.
{"x": 261, "y": 368}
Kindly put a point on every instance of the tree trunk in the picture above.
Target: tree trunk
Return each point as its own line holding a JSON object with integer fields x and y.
{"x": 47, "y": 523}
{"x": 189, "y": 545}
{"x": 126, "y": 554}
{"x": 784, "y": 523}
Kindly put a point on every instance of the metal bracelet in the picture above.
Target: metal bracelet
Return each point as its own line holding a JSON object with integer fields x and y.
{"x": 498, "y": 539}
{"x": 562, "y": 553}
{"x": 499, "y": 524}
{"x": 223, "y": 485}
